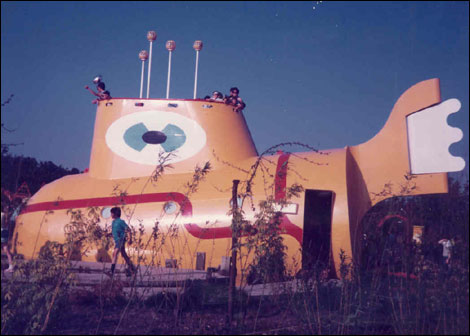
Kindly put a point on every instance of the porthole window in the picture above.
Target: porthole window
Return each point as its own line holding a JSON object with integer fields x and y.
{"x": 239, "y": 202}
{"x": 106, "y": 213}
{"x": 170, "y": 208}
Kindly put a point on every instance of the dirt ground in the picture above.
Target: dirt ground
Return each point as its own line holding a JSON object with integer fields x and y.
{"x": 86, "y": 320}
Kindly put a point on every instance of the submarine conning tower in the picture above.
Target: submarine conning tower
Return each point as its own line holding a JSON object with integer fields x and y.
{"x": 132, "y": 136}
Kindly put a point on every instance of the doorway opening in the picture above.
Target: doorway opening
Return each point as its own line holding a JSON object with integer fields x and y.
{"x": 316, "y": 244}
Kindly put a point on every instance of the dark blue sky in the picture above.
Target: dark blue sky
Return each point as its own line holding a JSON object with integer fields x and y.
{"x": 325, "y": 73}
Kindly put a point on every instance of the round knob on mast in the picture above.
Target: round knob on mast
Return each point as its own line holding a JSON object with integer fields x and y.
{"x": 143, "y": 55}
{"x": 170, "y": 45}
{"x": 151, "y": 36}
{"x": 197, "y": 45}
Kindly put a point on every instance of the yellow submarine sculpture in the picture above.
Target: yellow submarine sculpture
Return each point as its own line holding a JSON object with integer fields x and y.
{"x": 409, "y": 156}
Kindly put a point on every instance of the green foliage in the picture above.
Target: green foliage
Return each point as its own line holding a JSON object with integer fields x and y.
{"x": 373, "y": 301}
{"x": 19, "y": 169}
{"x": 83, "y": 232}
{"x": 52, "y": 251}
{"x": 408, "y": 291}
{"x": 36, "y": 296}
{"x": 265, "y": 240}
{"x": 198, "y": 176}
{"x": 269, "y": 251}
{"x": 28, "y": 307}
{"x": 431, "y": 302}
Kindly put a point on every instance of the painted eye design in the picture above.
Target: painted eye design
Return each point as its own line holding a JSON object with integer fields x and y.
{"x": 140, "y": 137}
{"x": 170, "y": 138}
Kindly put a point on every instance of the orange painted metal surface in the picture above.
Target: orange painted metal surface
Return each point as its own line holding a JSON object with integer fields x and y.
{"x": 198, "y": 131}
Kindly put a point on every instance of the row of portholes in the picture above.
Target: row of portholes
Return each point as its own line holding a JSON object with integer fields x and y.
{"x": 169, "y": 208}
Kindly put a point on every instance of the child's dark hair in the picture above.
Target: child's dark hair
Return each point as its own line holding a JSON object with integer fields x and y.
{"x": 101, "y": 85}
{"x": 116, "y": 211}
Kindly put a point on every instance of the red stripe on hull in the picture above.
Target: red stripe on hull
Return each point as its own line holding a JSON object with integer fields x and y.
{"x": 280, "y": 182}
{"x": 183, "y": 201}
{"x": 286, "y": 226}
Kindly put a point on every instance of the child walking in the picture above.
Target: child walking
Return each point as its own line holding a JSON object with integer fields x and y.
{"x": 119, "y": 228}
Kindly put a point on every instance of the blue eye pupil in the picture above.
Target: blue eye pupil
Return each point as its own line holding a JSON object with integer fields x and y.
{"x": 154, "y": 137}
{"x": 170, "y": 138}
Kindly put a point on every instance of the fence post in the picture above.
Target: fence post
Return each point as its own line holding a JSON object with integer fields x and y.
{"x": 233, "y": 259}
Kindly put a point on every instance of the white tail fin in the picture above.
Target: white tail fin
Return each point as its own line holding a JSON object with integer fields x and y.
{"x": 429, "y": 138}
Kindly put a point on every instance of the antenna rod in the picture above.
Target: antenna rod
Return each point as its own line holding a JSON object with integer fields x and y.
{"x": 143, "y": 55}
{"x": 170, "y": 46}
{"x": 151, "y": 36}
{"x": 197, "y": 46}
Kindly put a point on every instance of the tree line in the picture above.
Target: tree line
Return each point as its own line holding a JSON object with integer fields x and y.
{"x": 17, "y": 170}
